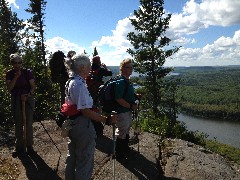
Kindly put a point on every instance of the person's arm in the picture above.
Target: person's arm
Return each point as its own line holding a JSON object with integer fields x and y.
{"x": 98, "y": 117}
{"x": 11, "y": 83}
{"x": 33, "y": 87}
{"x": 125, "y": 104}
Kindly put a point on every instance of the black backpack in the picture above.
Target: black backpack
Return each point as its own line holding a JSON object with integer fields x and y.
{"x": 58, "y": 70}
{"x": 106, "y": 94}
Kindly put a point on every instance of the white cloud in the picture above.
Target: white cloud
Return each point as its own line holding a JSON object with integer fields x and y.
{"x": 224, "y": 51}
{"x": 13, "y": 2}
{"x": 207, "y": 13}
{"x": 118, "y": 39}
{"x": 58, "y": 43}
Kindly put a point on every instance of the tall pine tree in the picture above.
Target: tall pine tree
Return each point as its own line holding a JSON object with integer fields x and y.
{"x": 10, "y": 26}
{"x": 150, "y": 50}
{"x": 47, "y": 93}
{"x": 95, "y": 53}
{"x": 37, "y": 8}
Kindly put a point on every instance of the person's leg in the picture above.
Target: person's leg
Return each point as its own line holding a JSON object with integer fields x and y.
{"x": 83, "y": 134}
{"x": 70, "y": 162}
{"x": 17, "y": 116}
{"x": 129, "y": 121}
{"x": 85, "y": 159}
{"x": 122, "y": 131}
{"x": 30, "y": 105}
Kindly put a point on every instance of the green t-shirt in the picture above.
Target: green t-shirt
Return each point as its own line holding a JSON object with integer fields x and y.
{"x": 121, "y": 92}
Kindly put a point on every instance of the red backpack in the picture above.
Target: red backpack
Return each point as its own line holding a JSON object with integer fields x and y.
{"x": 94, "y": 81}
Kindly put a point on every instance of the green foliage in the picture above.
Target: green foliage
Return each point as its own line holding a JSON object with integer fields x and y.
{"x": 37, "y": 8}
{"x": 149, "y": 40}
{"x": 161, "y": 126}
{"x": 95, "y": 53}
{"x": 6, "y": 120}
{"x": 225, "y": 150}
{"x": 212, "y": 93}
{"x": 47, "y": 94}
{"x": 10, "y": 26}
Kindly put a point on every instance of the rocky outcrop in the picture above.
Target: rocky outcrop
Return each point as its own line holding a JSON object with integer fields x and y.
{"x": 185, "y": 160}
{"x": 181, "y": 159}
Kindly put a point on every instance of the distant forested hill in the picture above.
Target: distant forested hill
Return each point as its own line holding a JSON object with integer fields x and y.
{"x": 210, "y": 91}
{"x": 115, "y": 69}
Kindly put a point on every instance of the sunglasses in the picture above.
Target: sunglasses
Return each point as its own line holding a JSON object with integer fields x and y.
{"x": 20, "y": 62}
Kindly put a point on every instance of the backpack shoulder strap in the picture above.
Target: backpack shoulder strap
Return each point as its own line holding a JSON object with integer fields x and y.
{"x": 69, "y": 79}
{"x": 127, "y": 84}
{"x": 67, "y": 84}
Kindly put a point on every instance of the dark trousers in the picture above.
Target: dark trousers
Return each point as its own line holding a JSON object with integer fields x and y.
{"x": 16, "y": 105}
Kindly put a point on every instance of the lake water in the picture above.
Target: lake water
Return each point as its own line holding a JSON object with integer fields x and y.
{"x": 227, "y": 132}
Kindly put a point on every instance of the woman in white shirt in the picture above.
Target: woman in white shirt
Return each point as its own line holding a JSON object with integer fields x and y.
{"x": 80, "y": 159}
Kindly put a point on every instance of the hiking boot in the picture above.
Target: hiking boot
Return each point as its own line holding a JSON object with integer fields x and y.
{"x": 30, "y": 150}
{"x": 120, "y": 149}
{"x": 18, "y": 153}
{"x": 133, "y": 140}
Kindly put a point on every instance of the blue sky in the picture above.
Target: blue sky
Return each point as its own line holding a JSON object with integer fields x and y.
{"x": 208, "y": 31}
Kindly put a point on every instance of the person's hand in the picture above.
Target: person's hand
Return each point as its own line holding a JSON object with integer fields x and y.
{"x": 133, "y": 107}
{"x": 17, "y": 74}
{"x": 24, "y": 97}
{"x": 139, "y": 96}
{"x": 111, "y": 119}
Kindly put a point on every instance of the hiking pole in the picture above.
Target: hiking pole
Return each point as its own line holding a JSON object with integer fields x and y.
{"x": 23, "y": 99}
{"x": 114, "y": 146}
{"x": 114, "y": 152}
{"x": 137, "y": 130}
{"x": 54, "y": 145}
{"x": 137, "y": 124}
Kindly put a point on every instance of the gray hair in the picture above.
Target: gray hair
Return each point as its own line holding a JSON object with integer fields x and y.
{"x": 14, "y": 56}
{"x": 76, "y": 61}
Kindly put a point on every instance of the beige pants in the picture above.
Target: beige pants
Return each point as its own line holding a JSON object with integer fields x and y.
{"x": 81, "y": 147}
{"x": 123, "y": 125}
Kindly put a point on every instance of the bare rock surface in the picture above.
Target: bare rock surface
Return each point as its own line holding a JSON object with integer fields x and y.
{"x": 181, "y": 159}
{"x": 186, "y": 160}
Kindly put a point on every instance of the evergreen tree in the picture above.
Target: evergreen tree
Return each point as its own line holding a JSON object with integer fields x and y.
{"x": 47, "y": 93}
{"x": 37, "y": 8}
{"x": 95, "y": 53}
{"x": 10, "y": 26}
{"x": 149, "y": 54}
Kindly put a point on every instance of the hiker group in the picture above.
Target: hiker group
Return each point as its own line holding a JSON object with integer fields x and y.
{"x": 87, "y": 104}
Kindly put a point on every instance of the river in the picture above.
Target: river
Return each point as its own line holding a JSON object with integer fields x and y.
{"x": 227, "y": 132}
